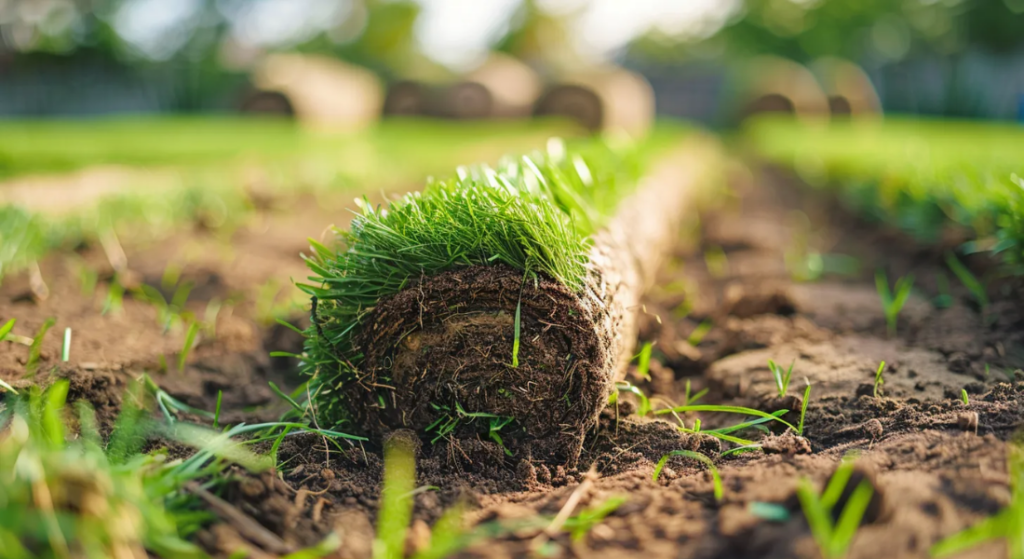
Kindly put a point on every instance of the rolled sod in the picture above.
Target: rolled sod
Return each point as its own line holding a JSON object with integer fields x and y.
{"x": 526, "y": 330}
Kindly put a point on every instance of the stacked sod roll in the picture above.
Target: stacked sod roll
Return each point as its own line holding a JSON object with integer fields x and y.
{"x": 500, "y": 299}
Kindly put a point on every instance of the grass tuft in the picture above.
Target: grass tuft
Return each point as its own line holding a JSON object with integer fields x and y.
{"x": 834, "y": 538}
{"x": 781, "y": 377}
{"x": 893, "y": 301}
{"x": 879, "y": 380}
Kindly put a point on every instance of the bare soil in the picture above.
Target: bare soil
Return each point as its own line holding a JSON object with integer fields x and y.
{"x": 937, "y": 465}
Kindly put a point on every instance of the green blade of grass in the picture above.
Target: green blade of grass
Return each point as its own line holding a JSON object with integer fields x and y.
{"x": 817, "y": 515}
{"x": 190, "y": 340}
{"x": 515, "y": 341}
{"x": 32, "y": 364}
{"x": 644, "y": 364}
{"x": 803, "y": 409}
{"x": 728, "y": 409}
{"x": 6, "y": 328}
{"x": 65, "y": 353}
{"x": 849, "y": 519}
{"x": 716, "y": 480}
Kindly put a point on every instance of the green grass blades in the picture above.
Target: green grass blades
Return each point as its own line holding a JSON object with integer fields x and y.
{"x": 6, "y": 328}
{"x": 32, "y": 363}
{"x": 1007, "y": 524}
{"x": 730, "y": 409}
{"x": 803, "y": 409}
{"x": 396, "y": 500}
{"x": 716, "y": 480}
{"x": 972, "y": 283}
{"x": 533, "y": 213}
{"x": 964, "y": 398}
{"x": 834, "y": 538}
{"x": 63, "y": 496}
{"x": 893, "y": 301}
{"x": 781, "y": 377}
{"x": 65, "y": 351}
{"x": 186, "y": 349}
{"x": 921, "y": 175}
{"x": 644, "y": 407}
{"x": 879, "y": 379}
{"x": 644, "y": 361}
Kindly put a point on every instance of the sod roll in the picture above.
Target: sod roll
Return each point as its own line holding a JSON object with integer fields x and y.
{"x": 487, "y": 346}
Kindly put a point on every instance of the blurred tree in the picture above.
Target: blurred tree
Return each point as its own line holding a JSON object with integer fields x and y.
{"x": 540, "y": 38}
{"x": 864, "y": 30}
{"x": 378, "y": 34}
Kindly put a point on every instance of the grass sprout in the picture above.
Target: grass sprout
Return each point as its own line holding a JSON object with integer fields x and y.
{"x": 32, "y": 363}
{"x": 964, "y": 398}
{"x": 6, "y": 328}
{"x": 644, "y": 361}
{"x": 834, "y": 538}
{"x": 190, "y": 340}
{"x": 690, "y": 398}
{"x": 781, "y": 377}
{"x": 716, "y": 479}
{"x": 893, "y": 300}
{"x": 65, "y": 352}
{"x": 803, "y": 409}
{"x": 970, "y": 281}
{"x": 879, "y": 379}
{"x": 624, "y": 386}
{"x": 699, "y": 333}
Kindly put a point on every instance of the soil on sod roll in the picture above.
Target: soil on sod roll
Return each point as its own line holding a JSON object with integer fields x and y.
{"x": 445, "y": 344}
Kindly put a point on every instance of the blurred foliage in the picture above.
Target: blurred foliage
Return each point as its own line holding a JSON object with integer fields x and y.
{"x": 920, "y": 175}
{"x": 373, "y": 33}
{"x": 207, "y": 171}
{"x": 882, "y": 30}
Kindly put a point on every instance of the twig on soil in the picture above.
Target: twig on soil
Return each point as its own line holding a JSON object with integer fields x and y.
{"x": 246, "y": 526}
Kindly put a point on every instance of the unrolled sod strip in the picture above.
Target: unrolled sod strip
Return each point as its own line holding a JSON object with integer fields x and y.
{"x": 446, "y": 340}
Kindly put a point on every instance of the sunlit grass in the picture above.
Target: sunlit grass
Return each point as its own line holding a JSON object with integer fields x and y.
{"x": 920, "y": 175}
{"x": 533, "y": 213}
{"x": 203, "y": 170}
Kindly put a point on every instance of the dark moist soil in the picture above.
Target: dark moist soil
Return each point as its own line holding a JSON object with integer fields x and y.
{"x": 448, "y": 341}
{"x": 936, "y": 464}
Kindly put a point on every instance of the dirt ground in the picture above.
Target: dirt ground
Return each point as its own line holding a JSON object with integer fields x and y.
{"x": 936, "y": 464}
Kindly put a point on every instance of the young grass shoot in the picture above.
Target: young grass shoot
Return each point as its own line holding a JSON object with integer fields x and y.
{"x": 893, "y": 300}
{"x": 834, "y": 538}
{"x": 781, "y": 377}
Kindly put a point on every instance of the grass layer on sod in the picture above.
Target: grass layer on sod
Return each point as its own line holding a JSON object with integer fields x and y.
{"x": 921, "y": 175}
{"x": 208, "y": 161}
{"x": 533, "y": 214}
